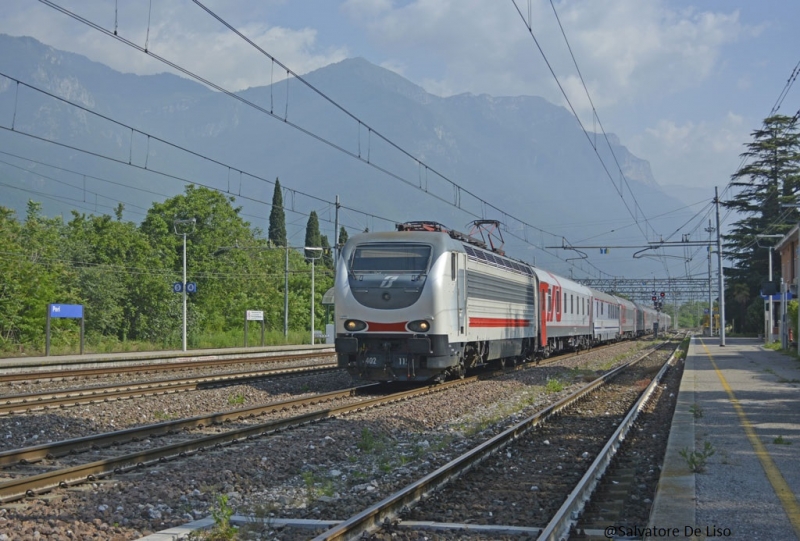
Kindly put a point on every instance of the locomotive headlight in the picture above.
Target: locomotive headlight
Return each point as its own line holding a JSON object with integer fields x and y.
{"x": 353, "y": 325}
{"x": 419, "y": 325}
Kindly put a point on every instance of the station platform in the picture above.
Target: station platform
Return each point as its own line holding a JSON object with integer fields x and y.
{"x": 741, "y": 402}
{"x": 55, "y": 362}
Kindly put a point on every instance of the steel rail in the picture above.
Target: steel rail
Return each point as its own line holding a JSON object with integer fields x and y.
{"x": 567, "y": 516}
{"x": 394, "y": 504}
{"x": 147, "y": 367}
{"x": 23, "y": 403}
{"x": 31, "y": 485}
{"x": 30, "y": 455}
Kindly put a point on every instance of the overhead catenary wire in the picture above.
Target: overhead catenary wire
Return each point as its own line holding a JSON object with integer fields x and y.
{"x": 371, "y": 131}
{"x": 167, "y": 143}
{"x": 637, "y": 208}
{"x": 127, "y": 204}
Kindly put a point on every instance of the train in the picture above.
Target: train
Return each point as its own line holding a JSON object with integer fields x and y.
{"x": 426, "y": 303}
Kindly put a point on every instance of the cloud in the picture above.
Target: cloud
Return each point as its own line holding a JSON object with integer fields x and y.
{"x": 626, "y": 49}
{"x": 180, "y": 32}
{"x": 697, "y": 154}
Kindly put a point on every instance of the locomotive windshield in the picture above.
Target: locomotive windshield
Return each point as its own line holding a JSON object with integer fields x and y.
{"x": 391, "y": 257}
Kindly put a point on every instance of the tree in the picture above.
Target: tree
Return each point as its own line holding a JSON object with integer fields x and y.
{"x": 770, "y": 178}
{"x": 277, "y": 218}
{"x": 741, "y": 293}
{"x": 220, "y": 258}
{"x": 313, "y": 237}
{"x": 342, "y": 236}
{"x": 33, "y": 274}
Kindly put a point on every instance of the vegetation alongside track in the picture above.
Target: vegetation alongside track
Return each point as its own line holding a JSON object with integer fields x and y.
{"x": 122, "y": 273}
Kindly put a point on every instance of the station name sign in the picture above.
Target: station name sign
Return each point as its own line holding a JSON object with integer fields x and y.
{"x": 66, "y": 310}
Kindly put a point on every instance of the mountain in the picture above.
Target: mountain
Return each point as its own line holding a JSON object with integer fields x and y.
{"x": 523, "y": 154}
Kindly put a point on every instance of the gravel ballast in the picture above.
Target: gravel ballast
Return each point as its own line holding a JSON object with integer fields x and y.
{"x": 322, "y": 471}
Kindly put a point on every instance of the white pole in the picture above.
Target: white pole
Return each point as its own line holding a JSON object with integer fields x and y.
{"x": 312, "y": 301}
{"x": 286, "y": 295}
{"x": 721, "y": 275}
{"x": 769, "y": 302}
{"x": 184, "y": 292}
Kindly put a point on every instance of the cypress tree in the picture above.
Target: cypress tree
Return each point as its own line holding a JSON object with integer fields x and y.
{"x": 313, "y": 237}
{"x": 277, "y": 218}
{"x": 342, "y": 236}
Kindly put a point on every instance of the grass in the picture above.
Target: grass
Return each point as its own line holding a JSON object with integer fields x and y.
{"x": 222, "y": 530}
{"x": 317, "y": 486}
{"x": 69, "y": 344}
{"x": 236, "y": 400}
{"x": 696, "y": 411}
{"x": 554, "y": 385}
{"x": 696, "y": 460}
{"x": 369, "y": 443}
{"x": 780, "y": 441}
{"x": 162, "y": 415}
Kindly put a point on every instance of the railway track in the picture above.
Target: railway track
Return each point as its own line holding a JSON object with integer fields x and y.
{"x": 37, "y": 376}
{"x": 37, "y": 401}
{"x": 28, "y": 402}
{"x": 30, "y": 485}
{"x": 513, "y": 483}
{"x": 270, "y": 460}
{"x": 18, "y": 463}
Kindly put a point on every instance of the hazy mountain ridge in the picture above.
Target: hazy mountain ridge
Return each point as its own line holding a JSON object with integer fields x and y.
{"x": 521, "y": 153}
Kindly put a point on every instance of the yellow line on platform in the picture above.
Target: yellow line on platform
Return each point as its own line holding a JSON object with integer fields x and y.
{"x": 779, "y": 484}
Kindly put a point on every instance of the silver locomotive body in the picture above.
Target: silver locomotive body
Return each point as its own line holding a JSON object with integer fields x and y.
{"x": 416, "y": 306}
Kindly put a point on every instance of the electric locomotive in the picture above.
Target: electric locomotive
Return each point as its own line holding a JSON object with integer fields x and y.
{"x": 427, "y": 303}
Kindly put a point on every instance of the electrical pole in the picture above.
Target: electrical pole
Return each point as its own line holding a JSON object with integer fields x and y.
{"x": 286, "y": 295}
{"x": 336, "y": 236}
{"x": 175, "y": 224}
{"x": 710, "y": 230}
{"x": 721, "y": 276}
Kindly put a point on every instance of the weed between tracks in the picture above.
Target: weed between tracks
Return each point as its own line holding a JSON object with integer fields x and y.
{"x": 554, "y": 385}
{"x": 222, "y": 530}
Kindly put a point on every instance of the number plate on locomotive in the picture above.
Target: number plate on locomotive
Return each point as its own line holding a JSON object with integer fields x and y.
{"x": 374, "y": 360}
{"x": 400, "y": 361}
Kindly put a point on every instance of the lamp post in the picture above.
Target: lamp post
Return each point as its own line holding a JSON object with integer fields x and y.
{"x": 175, "y": 224}
{"x": 309, "y": 253}
{"x": 768, "y": 302}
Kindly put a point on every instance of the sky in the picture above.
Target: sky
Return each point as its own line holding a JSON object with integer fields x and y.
{"x": 683, "y": 83}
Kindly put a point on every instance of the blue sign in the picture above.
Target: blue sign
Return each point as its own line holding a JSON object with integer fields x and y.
{"x": 66, "y": 310}
{"x": 777, "y": 297}
{"x": 191, "y": 287}
{"x": 177, "y": 287}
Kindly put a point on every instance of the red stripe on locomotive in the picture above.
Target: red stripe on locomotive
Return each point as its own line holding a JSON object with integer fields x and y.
{"x": 387, "y": 327}
{"x": 498, "y": 322}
